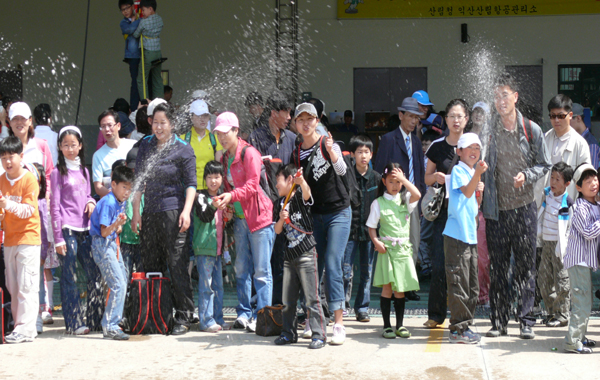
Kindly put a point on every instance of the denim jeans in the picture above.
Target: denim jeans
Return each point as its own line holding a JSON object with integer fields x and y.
{"x": 131, "y": 255}
{"x": 210, "y": 290}
{"x": 331, "y": 232}
{"x": 253, "y": 260}
{"x": 363, "y": 295}
{"x": 113, "y": 272}
{"x": 134, "y": 95}
{"x": 78, "y": 248}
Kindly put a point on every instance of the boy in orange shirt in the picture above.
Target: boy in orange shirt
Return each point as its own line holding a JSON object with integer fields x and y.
{"x": 21, "y": 224}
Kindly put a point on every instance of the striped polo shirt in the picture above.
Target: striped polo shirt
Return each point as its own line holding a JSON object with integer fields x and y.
{"x": 582, "y": 248}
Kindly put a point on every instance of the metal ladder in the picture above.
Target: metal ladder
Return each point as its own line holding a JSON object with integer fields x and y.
{"x": 286, "y": 46}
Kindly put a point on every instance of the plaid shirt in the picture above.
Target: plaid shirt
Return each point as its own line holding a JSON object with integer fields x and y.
{"x": 150, "y": 28}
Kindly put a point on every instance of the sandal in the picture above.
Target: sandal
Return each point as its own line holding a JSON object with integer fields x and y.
{"x": 388, "y": 333}
{"x": 403, "y": 332}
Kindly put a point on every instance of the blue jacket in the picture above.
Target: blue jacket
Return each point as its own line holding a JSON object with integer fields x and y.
{"x": 392, "y": 148}
{"x": 132, "y": 44}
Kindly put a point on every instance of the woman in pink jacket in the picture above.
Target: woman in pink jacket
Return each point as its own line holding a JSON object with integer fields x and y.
{"x": 253, "y": 219}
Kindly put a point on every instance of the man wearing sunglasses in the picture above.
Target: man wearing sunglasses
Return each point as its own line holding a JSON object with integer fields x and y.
{"x": 562, "y": 141}
{"x": 517, "y": 158}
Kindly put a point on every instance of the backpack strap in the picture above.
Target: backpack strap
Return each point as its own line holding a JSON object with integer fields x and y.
{"x": 243, "y": 153}
{"x": 213, "y": 142}
{"x": 527, "y": 128}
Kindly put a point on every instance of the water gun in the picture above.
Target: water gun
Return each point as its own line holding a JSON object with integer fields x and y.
{"x": 287, "y": 198}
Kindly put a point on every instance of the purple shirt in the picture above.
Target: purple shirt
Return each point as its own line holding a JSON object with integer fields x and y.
{"x": 165, "y": 175}
{"x": 69, "y": 195}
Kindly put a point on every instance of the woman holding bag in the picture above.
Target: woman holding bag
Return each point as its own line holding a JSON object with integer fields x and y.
{"x": 441, "y": 155}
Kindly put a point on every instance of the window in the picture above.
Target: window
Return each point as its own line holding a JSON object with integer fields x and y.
{"x": 582, "y": 84}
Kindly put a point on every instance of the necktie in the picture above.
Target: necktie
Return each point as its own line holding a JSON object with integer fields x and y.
{"x": 411, "y": 174}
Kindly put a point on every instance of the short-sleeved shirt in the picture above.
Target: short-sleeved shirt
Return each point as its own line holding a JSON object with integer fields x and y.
{"x": 441, "y": 154}
{"x": 204, "y": 152}
{"x": 127, "y": 235}
{"x": 105, "y": 157}
{"x": 462, "y": 211}
{"x": 105, "y": 214}
{"x": 17, "y": 231}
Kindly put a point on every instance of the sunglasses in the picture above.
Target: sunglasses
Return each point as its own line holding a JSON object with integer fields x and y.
{"x": 559, "y": 116}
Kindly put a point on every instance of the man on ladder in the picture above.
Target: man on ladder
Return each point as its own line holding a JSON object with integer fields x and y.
{"x": 149, "y": 29}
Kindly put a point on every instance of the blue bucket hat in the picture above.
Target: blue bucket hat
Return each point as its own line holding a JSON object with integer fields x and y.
{"x": 422, "y": 97}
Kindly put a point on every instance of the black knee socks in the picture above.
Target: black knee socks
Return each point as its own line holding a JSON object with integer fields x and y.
{"x": 386, "y": 306}
{"x": 399, "y": 304}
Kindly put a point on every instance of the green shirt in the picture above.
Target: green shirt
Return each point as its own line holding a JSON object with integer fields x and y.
{"x": 127, "y": 235}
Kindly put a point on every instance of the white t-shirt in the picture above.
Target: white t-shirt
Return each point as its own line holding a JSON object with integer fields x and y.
{"x": 44, "y": 132}
{"x": 375, "y": 214}
{"x": 105, "y": 157}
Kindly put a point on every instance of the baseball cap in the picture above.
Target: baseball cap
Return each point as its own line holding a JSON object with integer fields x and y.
{"x": 126, "y": 125}
{"x": 581, "y": 169}
{"x": 422, "y": 97}
{"x": 410, "y": 105}
{"x": 199, "y": 107}
{"x": 153, "y": 105}
{"x": 577, "y": 109}
{"x": 19, "y": 109}
{"x": 468, "y": 139}
{"x": 483, "y": 106}
{"x": 309, "y": 108}
{"x": 226, "y": 121}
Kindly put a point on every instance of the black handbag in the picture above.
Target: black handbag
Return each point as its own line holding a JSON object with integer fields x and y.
{"x": 269, "y": 321}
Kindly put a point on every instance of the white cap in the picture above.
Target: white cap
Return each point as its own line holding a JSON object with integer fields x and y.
{"x": 309, "y": 108}
{"x": 580, "y": 169}
{"x": 483, "y": 106}
{"x": 199, "y": 107}
{"x": 468, "y": 139}
{"x": 153, "y": 105}
{"x": 19, "y": 109}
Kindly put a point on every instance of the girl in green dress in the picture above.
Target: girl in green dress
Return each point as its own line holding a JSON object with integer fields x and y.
{"x": 395, "y": 271}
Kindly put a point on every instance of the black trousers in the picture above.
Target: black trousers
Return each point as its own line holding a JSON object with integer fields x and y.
{"x": 437, "y": 304}
{"x": 164, "y": 247}
{"x": 514, "y": 232}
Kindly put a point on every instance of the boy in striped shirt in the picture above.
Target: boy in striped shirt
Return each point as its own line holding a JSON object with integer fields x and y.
{"x": 582, "y": 258}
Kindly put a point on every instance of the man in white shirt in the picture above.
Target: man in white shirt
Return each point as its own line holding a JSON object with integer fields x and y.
{"x": 114, "y": 149}
{"x": 42, "y": 115}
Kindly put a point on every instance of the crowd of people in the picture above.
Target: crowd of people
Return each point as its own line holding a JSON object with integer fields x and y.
{"x": 177, "y": 196}
{"x": 477, "y": 198}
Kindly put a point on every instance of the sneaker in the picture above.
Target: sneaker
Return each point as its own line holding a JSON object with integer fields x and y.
{"x": 553, "y": 322}
{"x": 388, "y": 333}
{"x": 83, "y": 330}
{"x": 403, "y": 332}
{"x": 307, "y": 334}
{"x": 582, "y": 350}
{"x": 345, "y": 313}
{"x": 226, "y": 326}
{"x": 495, "y": 332}
{"x": 472, "y": 335}
{"x": 362, "y": 317}
{"x": 47, "y": 318}
{"x": 283, "y": 340}
{"x": 15, "y": 337}
{"x": 240, "y": 323}
{"x": 39, "y": 324}
{"x": 339, "y": 334}
{"x": 213, "y": 328}
{"x": 316, "y": 344}
{"x": 116, "y": 335}
{"x": 195, "y": 319}
{"x": 526, "y": 332}
{"x": 251, "y": 326}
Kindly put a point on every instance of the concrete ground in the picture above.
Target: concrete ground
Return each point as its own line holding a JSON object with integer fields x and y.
{"x": 239, "y": 355}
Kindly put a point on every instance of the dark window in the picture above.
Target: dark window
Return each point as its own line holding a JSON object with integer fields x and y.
{"x": 582, "y": 84}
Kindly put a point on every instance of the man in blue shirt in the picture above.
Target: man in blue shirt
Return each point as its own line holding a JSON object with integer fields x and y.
{"x": 129, "y": 24}
{"x": 578, "y": 124}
